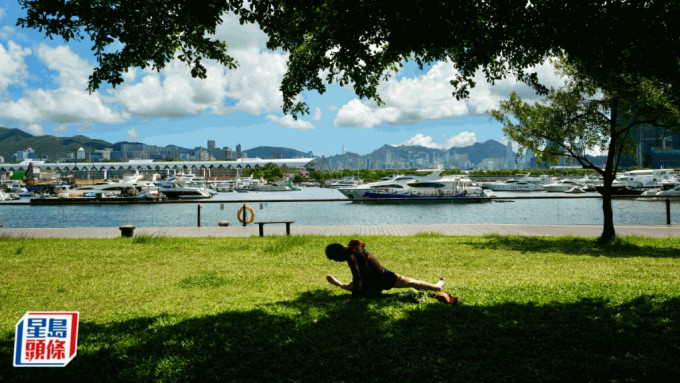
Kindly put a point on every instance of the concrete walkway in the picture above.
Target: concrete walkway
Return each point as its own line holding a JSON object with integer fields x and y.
{"x": 357, "y": 230}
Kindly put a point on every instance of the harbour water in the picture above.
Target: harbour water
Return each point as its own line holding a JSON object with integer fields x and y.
{"x": 316, "y": 209}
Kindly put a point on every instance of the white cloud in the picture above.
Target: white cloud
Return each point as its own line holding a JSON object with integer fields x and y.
{"x": 36, "y": 130}
{"x": 252, "y": 88}
{"x": 69, "y": 103}
{"x": 357, "y": 114}
{"x": 460, "y": 140}
{"x": 255, "y": 84}
{"x": 173, "y": 92}
{"x": 133, "y": 134}
{"x": 317, "y": 115}
{"x": 429, "y": 97}
{"x": 287, "y": 121}
{"x": 12, "y": 66}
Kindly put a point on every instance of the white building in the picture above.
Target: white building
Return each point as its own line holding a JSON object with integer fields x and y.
{"x": 80, "y": 155}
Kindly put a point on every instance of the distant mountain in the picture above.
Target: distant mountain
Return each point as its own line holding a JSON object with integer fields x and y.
{"x": 389, "y": 156}
{"x": 274, "y": 152}
{"x": 14, "y": 140}
{"x": 479, "y": 151}
{"x": 13, "y": 135}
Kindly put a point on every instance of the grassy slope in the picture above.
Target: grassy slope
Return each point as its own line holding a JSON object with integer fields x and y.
{"x": 230, "y": 309}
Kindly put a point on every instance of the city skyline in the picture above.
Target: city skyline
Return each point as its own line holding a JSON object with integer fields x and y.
{"x": 43, "y": 82}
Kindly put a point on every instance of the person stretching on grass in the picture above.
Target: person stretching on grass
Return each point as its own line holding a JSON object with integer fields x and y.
{"x": 369, "y": 277}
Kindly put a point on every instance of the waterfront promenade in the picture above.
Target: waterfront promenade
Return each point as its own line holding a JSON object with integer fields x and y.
{"x": 357, "y": 230}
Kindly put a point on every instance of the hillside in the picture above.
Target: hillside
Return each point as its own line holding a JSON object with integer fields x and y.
{"x": 415, "y": 156}
{"x": 14, "y": 140}
{"x": 274, "y": 152}
{"x": 387, "y": 156}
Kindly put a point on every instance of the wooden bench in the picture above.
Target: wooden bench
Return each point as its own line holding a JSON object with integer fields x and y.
{"x": 262, "y": 223}
{"x": 127, "y": 231}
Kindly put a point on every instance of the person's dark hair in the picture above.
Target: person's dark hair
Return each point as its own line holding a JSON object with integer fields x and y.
{"x": 336, "y": 252}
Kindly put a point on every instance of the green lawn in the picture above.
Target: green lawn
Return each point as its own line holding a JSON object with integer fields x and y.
{"x": 533, "y": 309}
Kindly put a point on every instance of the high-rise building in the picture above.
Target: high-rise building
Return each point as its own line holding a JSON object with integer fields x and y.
{"x": 229, "y": 154}
{"x": 510, "y": 156}
{"x": 23, "y": 155}
{"x": 238, "y": 150}
{"x": 211, "y": 144}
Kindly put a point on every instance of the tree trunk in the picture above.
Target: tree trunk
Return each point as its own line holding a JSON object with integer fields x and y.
{"x": 608, "y": 232}
{"x": 608, "y": 177}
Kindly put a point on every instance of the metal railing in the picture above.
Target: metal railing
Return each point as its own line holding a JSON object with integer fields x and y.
{"x": 334, "y": 211}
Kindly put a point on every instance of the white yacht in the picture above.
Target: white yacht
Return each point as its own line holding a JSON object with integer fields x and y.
{"x": 190, "y": 180}
{"x": 512, "y": 185}
{"x": 647, "y": 178}
{"x": 15, "y": 187}
{"x": 7, "y": 196}
{"x": 235, "y": 184}
{"x": 179, "y": 190}
{"x": 393, "y": 183}
{"x": 108, "y": 188}
{"x": 522, "y": 184}
{"x": 345, "y": 183}
{"x": 271, "y": 187}
{"x": 432, "y": 187}
{"x": 563, "y": 185}
{"x": 674, "y": 192}
{"x": 667, "y": 189}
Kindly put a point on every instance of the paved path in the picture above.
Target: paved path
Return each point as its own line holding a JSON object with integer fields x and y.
{"x": 358, "y": 230}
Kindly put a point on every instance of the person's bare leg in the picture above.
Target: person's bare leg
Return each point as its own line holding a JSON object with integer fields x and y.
{"x": 403, "y": 281}
{"x": 335, "y": 282}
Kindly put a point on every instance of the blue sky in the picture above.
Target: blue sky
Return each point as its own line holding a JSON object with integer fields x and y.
{"x": 43, "y": 82}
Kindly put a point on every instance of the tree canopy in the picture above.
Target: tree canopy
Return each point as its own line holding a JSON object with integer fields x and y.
{"x": 360, "y": 42}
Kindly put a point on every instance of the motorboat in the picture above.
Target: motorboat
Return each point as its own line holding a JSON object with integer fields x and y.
{"x": 15, "y": 187}
{"x": 103, "y": 189}
{"x": 646, "y": 178}
{"x": 225, "y": 186}
{"x": 471, "y": 194}
{"x": 524, "y": 183}
{"x": 271, "y": 187}
{"x": 345, "y": 183}
{"x": 562, "y": 185}
{"x": 148, "y": 187}
{"x": 179, "y": 190}
{"x": 397, "y": 183}
{"x": 432, "y": 187}
{"x": 667, "y": 189}
{"x": 513, "y": 185}
{"x": 189, "y": 180}
{"x": 129, "y": 186}
{"x": 394, "y": 182}
{"x": 7, "y": 196}
{"x": 674, "y": 192}
{"x": 238, "y": 184}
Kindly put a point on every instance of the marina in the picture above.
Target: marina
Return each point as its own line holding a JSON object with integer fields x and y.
{"x": 314, "y": 206}
{"x": 423, "y": 198}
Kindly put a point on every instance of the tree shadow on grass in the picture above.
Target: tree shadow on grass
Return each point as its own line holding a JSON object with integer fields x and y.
{"x": 323, "y": 337}
{"x": 572, "y": 246}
